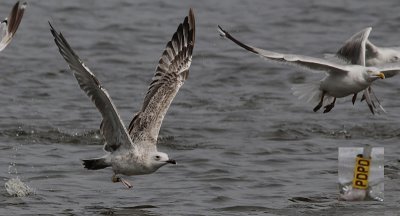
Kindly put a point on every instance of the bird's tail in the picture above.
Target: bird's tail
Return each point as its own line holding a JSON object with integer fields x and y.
{"x": 310, "y": 93}
{"x": 96, "y": 163}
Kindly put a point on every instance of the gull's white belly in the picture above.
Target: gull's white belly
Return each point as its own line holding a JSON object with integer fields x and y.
{"x": 128, "y": 164}
{"x": 341, "y": 87}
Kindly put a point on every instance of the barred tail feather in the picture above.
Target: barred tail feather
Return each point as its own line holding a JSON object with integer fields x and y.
{"x": 96, "y": 163}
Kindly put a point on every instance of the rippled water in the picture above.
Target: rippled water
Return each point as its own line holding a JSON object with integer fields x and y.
{"x": 244, "y": 144}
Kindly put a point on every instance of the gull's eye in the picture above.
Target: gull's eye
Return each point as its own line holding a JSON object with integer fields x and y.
{"x": 157, "y": 157}
{"x": 395, "y": 58}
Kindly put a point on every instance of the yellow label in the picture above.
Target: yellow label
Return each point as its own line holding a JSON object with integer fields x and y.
{"x": 361, "y": 173}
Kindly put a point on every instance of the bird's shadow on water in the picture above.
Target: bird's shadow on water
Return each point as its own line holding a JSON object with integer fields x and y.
{"x": 140, "y": 210}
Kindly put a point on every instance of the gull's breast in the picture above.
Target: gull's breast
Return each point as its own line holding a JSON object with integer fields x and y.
{"x": 129, "y": 164}
{"x": 342, "y": 86}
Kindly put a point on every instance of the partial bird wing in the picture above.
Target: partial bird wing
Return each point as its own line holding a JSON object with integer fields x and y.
{"x": 9, "y": 26}
{"x": 171, "y": 72}
{"x": 390, "y": 71}
{"x": 354, "y": 49}
{"x": 112, "y": 127}
{"x": 299, "y": 60}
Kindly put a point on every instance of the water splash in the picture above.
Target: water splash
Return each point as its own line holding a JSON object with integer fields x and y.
{"x": 15, "y": 187}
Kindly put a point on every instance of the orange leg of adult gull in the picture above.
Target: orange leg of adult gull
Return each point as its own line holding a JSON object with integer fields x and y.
{"x": 115, "y": 179}
{"x": 320, "y": 102}
{"x": 329, "y": 106}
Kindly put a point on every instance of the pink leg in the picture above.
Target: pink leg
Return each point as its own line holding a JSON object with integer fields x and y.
{"x": 123, "y": 181}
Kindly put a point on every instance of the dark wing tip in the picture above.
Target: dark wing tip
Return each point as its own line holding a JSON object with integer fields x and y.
{"x": 226, "y": 34}
{"x": 52, "y": 30}
{"x": 222, "y": 32}
{"x": 15, "y": 17}
{"x": 192, "y": 24}
{"x": 15, "y": 7}
{"x": 23, "y": 5}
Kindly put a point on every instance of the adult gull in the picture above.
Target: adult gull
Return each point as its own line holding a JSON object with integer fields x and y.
{"x": 133, "y": 150}
{"x": 359, "y": 50}
{"x": 341, "y": 80}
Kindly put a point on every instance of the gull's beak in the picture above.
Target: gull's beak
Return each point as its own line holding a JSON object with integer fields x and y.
{"x": 171, "y": 161}
{"x": 381, "y": 75}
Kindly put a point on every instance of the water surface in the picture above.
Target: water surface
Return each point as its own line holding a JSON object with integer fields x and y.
{"x": 244, "y": 144}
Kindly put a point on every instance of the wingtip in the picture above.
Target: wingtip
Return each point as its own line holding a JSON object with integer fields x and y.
{"x": 192, "y": 23}
{"x": 191, "y": 12}
{"x": 19, "y": 7}
{"x": 52, "y": 29}
{"x": 221, "y": 31}
{"x": 368, "y": 31}
{"x": 24, "y": 5}
{"x": 51, "y": 26}
{"x": 191, "y": 17}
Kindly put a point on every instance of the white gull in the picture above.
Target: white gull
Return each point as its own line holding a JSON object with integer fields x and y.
{"x": 341, "y": 80}
{"x": 359, "y": 50}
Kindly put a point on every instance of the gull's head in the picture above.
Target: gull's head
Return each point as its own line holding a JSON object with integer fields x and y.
{"x": 389, "y": 55}
{"x": 373, "y": 74}
{"x": 382, "y": 55}
{"x": 159, "y": 159}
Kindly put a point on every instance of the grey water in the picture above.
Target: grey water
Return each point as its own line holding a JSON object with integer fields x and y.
{"x": 244, "y": 144}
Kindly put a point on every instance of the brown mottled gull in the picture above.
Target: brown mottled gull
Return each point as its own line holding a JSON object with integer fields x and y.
{"x": 133, "y": 151}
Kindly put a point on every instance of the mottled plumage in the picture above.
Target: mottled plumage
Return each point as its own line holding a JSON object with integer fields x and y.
{"x": 134, "y": 151}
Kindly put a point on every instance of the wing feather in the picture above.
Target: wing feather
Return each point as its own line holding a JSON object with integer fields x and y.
{"x": 354, "y": 49}
{"x": 299, "y": 60}
{"x": 9, "y": 26}
{"x": 171, "y": 72}
{"x": 111, "y": 127}
{"x": 390, "y": 72}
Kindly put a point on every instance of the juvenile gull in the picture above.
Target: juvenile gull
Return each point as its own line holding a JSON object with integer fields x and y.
{"x": 340, "y": 81}
{"x": 134, "y": 151}
{"x": 359, "y": 50}
{"x": 9, "y": 25}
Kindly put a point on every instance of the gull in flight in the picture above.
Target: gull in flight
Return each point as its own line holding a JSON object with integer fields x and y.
{"x": 9, "y": 25}
{"x": 359, "y": 50}
{"x": 133, "y": 150}
{"x": 340, "y": 81}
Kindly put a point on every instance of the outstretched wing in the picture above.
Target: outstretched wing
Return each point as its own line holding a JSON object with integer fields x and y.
{"x": 299, "y": 60}
{"x": 354, "y": 49}
{"x": 9, "y": 26}
{"x": 112, "y": 128}
{"x": 171, "y": 72}
{"x": 390, "y": 70}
